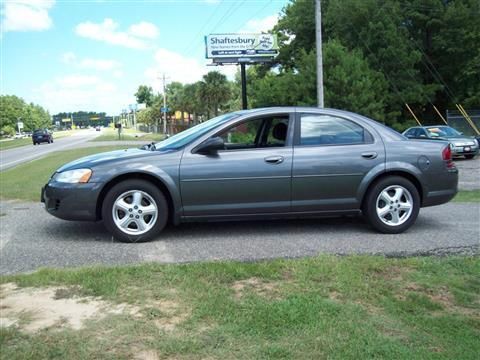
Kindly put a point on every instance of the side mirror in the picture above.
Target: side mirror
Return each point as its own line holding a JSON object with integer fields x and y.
{"x": 210, "y": 146}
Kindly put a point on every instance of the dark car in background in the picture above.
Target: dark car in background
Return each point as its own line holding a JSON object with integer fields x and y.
{"x": 461, "y": 145}
{"x": 41, "y": 136}
{"x": 258, "y": 164}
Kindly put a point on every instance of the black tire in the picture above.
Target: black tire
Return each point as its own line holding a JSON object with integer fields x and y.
{"x": 34, "y": 143}
{"x": 469, "y": 157}
{"x": 130, "y": 185}
{"x": 370, "y": 204}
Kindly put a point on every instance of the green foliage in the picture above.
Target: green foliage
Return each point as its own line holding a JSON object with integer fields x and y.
{"x": 418, "y": 46}
{"x": 7, "y": 130}
{"x": 144, "y": 95}
{"x": 14, "y": 109}
{"x": 214, "y": 91}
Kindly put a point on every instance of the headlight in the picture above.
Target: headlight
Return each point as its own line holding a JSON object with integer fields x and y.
{"x": 73, "y": 176}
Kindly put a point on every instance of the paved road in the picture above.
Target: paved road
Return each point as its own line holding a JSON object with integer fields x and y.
{"x": 30, "y": 238}
{"x": 13, "y": 157}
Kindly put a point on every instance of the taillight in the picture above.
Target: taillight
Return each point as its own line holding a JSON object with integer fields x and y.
{"x": 447, "y": 157}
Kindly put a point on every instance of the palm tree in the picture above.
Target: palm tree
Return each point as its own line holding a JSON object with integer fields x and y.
{"x": 214, "y": 91}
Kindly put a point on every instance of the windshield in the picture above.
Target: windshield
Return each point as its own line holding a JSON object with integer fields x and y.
{"x": 185, "y": 137}
{"x": 442, "y": 131}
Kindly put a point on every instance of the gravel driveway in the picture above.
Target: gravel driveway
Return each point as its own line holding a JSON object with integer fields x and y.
{"x": 30, "y": 238}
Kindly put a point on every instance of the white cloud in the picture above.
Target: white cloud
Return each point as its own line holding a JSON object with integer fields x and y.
{"x": 87, "y": 63}
{"x": 176, "y": 67}
{"x": 26, "y": 15}
{"x": 81, "y": 92}
{"x": 108, "y": 32}
{"x": 260, "y": 25}
{"x": 180, "y": 68}
{"x": 144, "y": 30}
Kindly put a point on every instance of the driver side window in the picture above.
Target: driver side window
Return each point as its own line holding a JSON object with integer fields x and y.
{"x": 257, "y": 133}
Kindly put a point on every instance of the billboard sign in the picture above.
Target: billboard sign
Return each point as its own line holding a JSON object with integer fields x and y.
{"x": 241, "y": 45}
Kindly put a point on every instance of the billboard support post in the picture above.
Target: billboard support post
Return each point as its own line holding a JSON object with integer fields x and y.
{"x": 241, "y": 49}
{"x": 244, "y": 86}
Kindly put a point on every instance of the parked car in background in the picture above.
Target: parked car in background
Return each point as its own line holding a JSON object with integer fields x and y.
{"x": 257, "y": 164}
{"x": 42, "y": 135}
{"x": 461, "y": 145}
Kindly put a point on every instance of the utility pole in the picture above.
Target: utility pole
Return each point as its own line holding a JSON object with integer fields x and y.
{"x": 318, "y": 38}
{"x": 164, "y": 107}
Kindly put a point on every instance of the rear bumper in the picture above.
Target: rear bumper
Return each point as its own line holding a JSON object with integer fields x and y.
{"x": 450, "y": 189}
{"x": 71, "y": 201}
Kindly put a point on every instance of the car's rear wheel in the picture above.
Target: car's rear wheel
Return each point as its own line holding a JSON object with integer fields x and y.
{"x": 134, "y": 211}
{"x": 469, "y": 157}
{"x": 392, "y": 205}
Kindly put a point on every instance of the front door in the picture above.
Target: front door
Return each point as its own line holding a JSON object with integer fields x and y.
{"x": 251, "y": 175}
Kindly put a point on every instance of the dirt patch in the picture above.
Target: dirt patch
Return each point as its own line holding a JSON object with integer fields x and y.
{"x": 44, "y": 309}
{"x": 146, "y": 355}
{"x": 395, "y": 273}
{"x": 257, "y": 286}
{"x": 167, "y": 314}
{"x": 440, "y": 296}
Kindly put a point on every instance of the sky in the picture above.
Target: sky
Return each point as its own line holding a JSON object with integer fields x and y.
{"x": 91, "y": 55}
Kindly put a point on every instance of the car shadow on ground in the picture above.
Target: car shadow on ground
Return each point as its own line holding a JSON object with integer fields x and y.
{"x": 95, "y": 232}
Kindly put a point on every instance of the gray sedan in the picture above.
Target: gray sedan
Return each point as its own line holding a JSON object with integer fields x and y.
{"x": 462, "y": 145}
{"x": 257, "y": 164}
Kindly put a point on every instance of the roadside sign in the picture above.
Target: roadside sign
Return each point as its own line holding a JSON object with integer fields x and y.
{"x": 20, "y": 125}
{"x": 66, "y": 120}
{"x": 240, "y": 45}
{"x": 95, "y": 118}
{"x": 164, "y": 110}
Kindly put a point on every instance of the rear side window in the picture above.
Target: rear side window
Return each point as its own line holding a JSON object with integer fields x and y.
{"x": 331, "y": 130}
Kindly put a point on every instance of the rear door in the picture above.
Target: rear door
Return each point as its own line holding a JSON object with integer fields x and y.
{"x": 331, "y": 157}
{"x": 251, "y": 175}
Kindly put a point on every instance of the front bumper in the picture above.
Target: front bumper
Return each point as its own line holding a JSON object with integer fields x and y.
{"x": 71, "y": 201}
{"x": 464, "y": 150}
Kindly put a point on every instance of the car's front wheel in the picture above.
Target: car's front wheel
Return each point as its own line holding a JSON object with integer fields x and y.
{"x": 392, "y": 205}
{"x": 134, "y": 211}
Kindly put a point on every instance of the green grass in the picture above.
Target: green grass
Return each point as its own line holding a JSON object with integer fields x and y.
{"x": 24, "y": 182}
{"x": 467, "y": 196}
{"x": 10, "y": 144}
{"x": 128, "y": 134}
{"x": 354, "y": 307}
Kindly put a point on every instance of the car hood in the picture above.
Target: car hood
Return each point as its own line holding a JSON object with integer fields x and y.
{"x": 92, "y": 161}
{"x": 461, "y": 139}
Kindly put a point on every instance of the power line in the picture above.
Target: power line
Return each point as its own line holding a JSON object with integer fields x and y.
{"x": 203, "y": 27}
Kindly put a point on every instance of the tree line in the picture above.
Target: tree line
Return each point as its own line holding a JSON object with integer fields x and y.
{"x": 378, "y": 56}
{"x": 15, "y": 109}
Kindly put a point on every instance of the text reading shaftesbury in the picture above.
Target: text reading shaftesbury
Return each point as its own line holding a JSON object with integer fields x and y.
{"x": 229, "y": 40}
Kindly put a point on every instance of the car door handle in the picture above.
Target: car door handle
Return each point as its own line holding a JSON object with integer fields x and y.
{"x": 274, "y": 159}
{"x": 369, "y": 155}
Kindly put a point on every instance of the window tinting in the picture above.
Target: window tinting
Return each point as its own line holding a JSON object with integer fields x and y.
{"x": 330, "y": 130}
